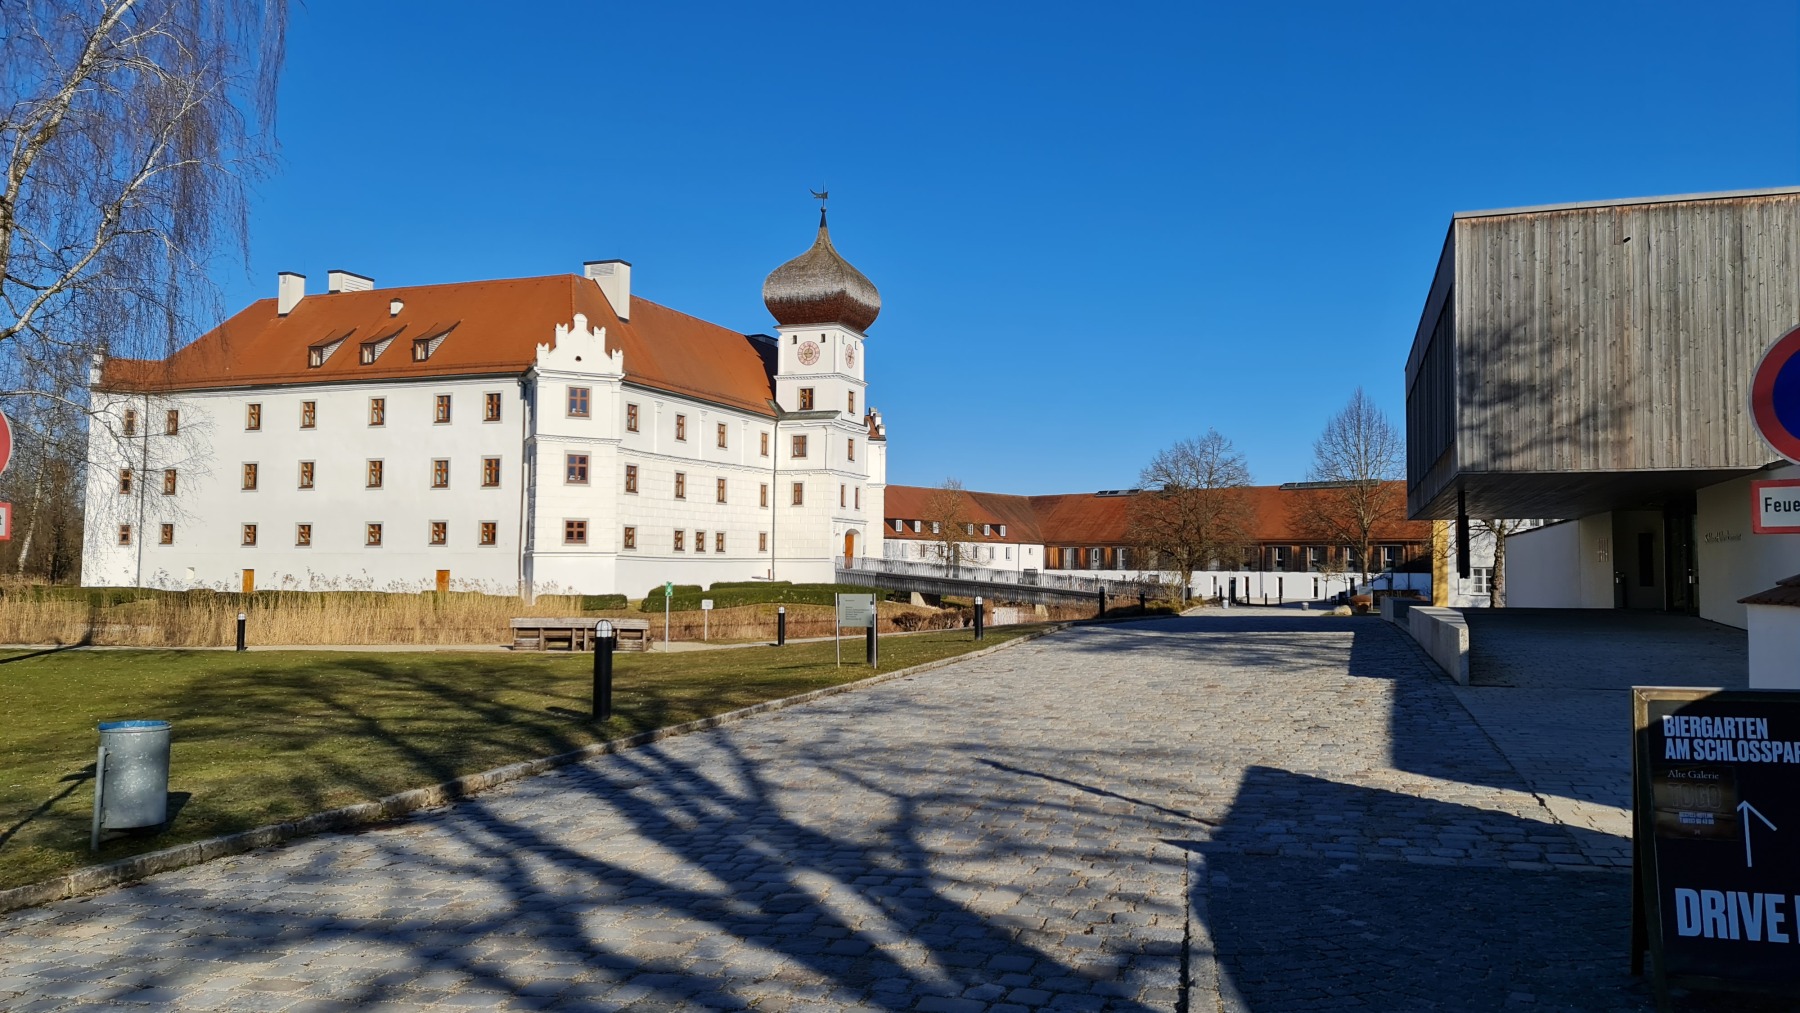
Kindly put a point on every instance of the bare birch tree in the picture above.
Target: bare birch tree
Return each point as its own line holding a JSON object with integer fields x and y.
{"x": 1356, "y": 461}
{"x": 1497, "y": 529}
{"x": 1194, "y": 511}
{"x": 947, "y": 513}
{"x": 130, "y": 130}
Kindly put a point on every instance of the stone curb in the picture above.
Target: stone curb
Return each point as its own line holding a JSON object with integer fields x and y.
{"x": 94, "y": 878}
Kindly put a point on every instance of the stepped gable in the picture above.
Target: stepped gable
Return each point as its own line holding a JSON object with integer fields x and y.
{"x": 488, "y": 328}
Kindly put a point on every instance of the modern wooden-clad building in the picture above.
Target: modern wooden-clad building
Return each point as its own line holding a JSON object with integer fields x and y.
{"x": 1593, "y": 360}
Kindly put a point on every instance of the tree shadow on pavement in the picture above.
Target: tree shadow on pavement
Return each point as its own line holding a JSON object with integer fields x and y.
{"x": 1321, "y": 895}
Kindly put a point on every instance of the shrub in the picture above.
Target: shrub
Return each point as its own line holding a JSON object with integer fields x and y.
{"x": 602, "y": 602}
{"x": 718, "y": 585}
{"x": 759, "y": 593}
{"x": 680, "y": 589}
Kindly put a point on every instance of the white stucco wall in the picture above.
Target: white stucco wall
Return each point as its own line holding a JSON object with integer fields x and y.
{"x": 1732, "y": 560}
{"x": 1567, "y": 564}
{"x": 1774, "y": 646}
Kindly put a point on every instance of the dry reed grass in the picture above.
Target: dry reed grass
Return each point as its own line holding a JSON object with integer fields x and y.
{"x": 373, "y": 618}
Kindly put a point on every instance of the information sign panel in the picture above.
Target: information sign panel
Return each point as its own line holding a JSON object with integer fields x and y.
{"x": 856, "y": 610}
{"x": 669, "y": 589}
{"x": 5, "y": 522}
{"x": 1775, "y": 506}
{"x": 1716, "y": 824}
{"x": 706, "y": 604}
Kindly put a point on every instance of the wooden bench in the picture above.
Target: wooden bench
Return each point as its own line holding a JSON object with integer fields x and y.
{"x": 541, "y": 633}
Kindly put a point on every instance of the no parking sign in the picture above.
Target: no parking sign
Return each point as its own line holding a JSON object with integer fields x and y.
{"x": 1775, "y": 396}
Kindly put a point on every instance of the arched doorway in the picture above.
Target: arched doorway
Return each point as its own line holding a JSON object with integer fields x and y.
{"x": 849, "y": 549}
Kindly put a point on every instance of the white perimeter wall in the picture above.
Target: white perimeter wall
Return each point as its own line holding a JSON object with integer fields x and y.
{"x": 1563, "y": 565}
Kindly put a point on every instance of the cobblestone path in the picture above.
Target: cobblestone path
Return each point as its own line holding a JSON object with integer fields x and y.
{"x": 1287, "y": 811}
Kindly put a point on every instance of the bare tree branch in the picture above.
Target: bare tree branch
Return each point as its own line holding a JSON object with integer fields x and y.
{"x": 1356, "y": 461}
{"x": 1195, "y": 512}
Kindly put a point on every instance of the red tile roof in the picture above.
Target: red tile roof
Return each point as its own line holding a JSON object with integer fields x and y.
{"x": 1092, "y": 519}
{"x": 488, "y": 327}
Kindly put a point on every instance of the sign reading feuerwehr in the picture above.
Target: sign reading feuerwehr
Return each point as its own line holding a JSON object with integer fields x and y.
{"x": 1716, "y": 838}
{"x": 1775, "y": 506}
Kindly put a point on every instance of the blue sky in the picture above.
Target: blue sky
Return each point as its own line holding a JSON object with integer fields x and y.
{"x": 1097, "y": 229}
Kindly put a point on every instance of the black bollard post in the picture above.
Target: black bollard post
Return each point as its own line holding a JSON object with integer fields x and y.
{"x": 979, "y": 634}
{"x": 242, "y": 619}
{"x": 874, "y": 652}
{"x": 781, "y": 626}
{"x": 1143, "y": 606}
{"x": 1102, "y": 603}
{"x": 604, "y": 642}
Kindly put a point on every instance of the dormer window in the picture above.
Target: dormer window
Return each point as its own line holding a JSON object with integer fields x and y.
{"x": 421, "y": 349}
{"x": 317, "y": 354}
{"x": 371, "y": 350}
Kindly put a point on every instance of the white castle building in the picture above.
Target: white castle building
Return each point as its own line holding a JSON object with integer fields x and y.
{"x": 551, "y": 434}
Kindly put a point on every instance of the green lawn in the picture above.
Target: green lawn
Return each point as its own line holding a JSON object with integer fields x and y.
{"x": 265, "y": 737}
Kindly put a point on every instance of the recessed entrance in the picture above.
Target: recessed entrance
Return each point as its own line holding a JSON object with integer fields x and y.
{"x": 849, "y": 548}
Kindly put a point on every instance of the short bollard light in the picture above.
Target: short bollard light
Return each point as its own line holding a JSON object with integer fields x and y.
{"x": 242, "y": 619}
{"x": 604, "y": 642}
{"x": 979, "y": 632}
{"x": 781, "y": 626}
{"x": 1142, "y": 603}
{"x": 1103, "y": 603}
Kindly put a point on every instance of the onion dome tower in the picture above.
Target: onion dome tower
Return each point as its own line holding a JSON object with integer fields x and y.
{"x": 820, "y": 287}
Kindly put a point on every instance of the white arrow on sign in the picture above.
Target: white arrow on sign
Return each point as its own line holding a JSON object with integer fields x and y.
{"x": 1746, "y": 809}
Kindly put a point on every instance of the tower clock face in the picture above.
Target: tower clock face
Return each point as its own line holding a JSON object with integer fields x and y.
{"x": 850, "y": 356}
{"x": 809, "y": 353}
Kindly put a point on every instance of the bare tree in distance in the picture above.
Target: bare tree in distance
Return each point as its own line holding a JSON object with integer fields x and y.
{"x": 1354, "y": 495}
{"x": 1194, "y": 510}
{"x": 947, "y": 514}
{"x": 1497, "y": 529}
{"x": 129, "y": 130}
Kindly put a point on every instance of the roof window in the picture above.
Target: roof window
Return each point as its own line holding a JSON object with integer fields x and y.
{"x": 317, "y": 354}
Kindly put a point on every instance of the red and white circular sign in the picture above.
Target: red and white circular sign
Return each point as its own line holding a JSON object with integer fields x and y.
{"x": 5, "y": 442}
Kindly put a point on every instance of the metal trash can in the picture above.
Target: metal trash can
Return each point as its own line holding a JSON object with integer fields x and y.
{"x": 131, "y": 776}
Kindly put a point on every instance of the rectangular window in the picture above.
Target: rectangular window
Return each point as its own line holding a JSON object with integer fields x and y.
{"x": 490, "y": 532}
{"x": 631, "y": 418}
{"x": 442, "y": 412}
{"x": 253, "y": 416}
{"x": 130, "y": 425}
{"x": 856, "y": 497}
{"x": 721, "y": 490}
{"x": 765, "y": 443}
{"x": 306, "y": 474}
{"x": 631, "y": 478}
{"x": 370, "y": 349}
{"x": 124, "y": 534}
{"x": 1315, "y": 558}
{"x": 799, "y": 446}
{"x": 578, "y": 402}
{"x": 718, "y": 541}
{"x": 852, "y": 448}
{"x": 371, "y": 534}
{"x": 378, "y": 411}
{"x": 374, "y": 478}
{"x": 421, "y": 349}
{"x": 681, "y": 427}
{"x": 853, "y": 402}
{"x": 490, "y": 408}
{"x": 799, "y": 493}
{"x": 124, "y": 481}
{"x": 699, "y": 541}
{"x": 168, "y": 481}
{"x": 843, "y": 495}
{"x": 309, "y": 414}
{"x": 168, "y": 534}
{"x": 249, "y": 534}
{"x": 762, "y": 541}
{"x": 806, "y": 399}
{"x": 172, "y": 425}
{"x": 440, "y": 473}
{"x": 1278, "y": 557}
{"x": 575, "y": 469}
{"x": 490, "y": 472}
{"x": 574, "y": 532}
{"x": 762, "y": 494}
{"x": 681, "y": 485}
{"x": 680, "y": 540}
{"x": 440, "y": 532}
{"x": 722, "y": 441}
{"x": 1481, "y": 580}
{"x": 250, "y": 476}
{"x": 630, "y": 537}
{"x": 303, "y": 535}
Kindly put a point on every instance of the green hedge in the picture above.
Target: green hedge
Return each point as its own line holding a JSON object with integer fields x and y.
{"x": 602, "y": 602}
{"x": 760, "y": 593}
{"x": 722, "y": 584}
{"x": 680, "y": 589}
